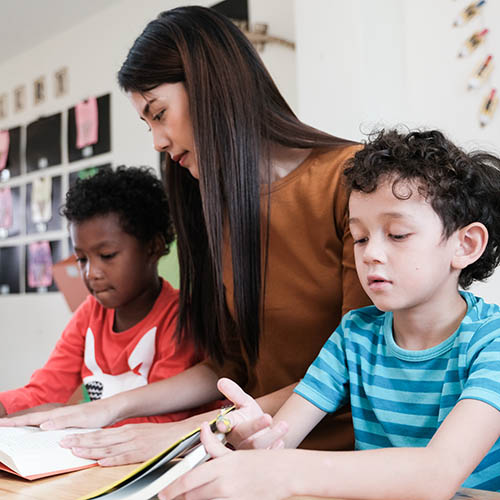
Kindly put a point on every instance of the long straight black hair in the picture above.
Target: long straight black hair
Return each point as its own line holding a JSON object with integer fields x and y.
{"x": 237, "y": 112}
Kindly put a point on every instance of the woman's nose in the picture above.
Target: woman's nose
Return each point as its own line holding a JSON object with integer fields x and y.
{"x": 160, "y": 140}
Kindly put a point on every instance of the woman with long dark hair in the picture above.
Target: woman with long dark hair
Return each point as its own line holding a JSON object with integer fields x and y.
{"x": 266, "y": 259}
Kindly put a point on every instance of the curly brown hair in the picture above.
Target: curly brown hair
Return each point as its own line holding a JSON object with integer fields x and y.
{"x": 462, "y": 187}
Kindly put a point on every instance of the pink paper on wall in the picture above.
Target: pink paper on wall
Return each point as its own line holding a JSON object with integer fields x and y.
{"x": 87, "y": 122}
{"x": 4, "y": 147}
{"x": 5, "y": 208}
{"x": 39, "y": 264}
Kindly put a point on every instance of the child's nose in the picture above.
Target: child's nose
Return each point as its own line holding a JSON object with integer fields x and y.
{"x": 92, "y": 270}
{"x": 374, "y": 251}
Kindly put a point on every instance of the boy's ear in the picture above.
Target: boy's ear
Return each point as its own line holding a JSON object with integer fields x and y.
{"x": 157, "y": 246}
{"x": 472, "y": 240}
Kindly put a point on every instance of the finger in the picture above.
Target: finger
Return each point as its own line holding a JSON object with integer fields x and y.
{"x": 98, "y": 439}
{"x": 121, "y": 453}
{"x": 213, "y": 446}
{"x": 35, "y": 418}
{"x": 278, "y": 445}
{"x": 267, "y": 437}
{"x": 244, "y": 430}
{"x": 248, "y": 407}
{"x": 61, "y": 422}
{"x": 197, "y": 484}
{"x": 234, "y": 392}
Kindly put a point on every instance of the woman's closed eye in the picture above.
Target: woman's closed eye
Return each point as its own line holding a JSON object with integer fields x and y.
{"x": 159, "y": 115}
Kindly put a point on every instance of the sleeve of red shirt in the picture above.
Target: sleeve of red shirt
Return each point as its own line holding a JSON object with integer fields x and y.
{"x": 61, "y": 374}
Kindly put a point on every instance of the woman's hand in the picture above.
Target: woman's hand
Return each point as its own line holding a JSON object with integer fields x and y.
{"x": 240, "y": 475}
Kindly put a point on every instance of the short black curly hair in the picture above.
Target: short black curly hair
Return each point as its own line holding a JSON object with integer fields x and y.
{"x": 461, "y": 187}
{"x": 134, "y": 193}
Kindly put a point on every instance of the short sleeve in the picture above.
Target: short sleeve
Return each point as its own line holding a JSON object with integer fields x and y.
{"x": 326, "y": 382}
{"x": 483, "y": 381}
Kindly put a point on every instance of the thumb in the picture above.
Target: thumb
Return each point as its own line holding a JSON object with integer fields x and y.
{"x": 213, "y": 446}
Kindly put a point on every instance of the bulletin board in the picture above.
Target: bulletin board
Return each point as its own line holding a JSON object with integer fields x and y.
{"x": 38, "y": 172}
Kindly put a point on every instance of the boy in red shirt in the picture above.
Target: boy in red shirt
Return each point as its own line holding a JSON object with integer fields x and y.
{"x": 124, "y": 335}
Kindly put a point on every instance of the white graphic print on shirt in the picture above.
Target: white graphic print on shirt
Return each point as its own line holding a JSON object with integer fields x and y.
{"x": 102, "y": 385}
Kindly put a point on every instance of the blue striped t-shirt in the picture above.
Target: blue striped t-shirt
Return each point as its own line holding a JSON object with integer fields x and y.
{"x": 400, "y": 397}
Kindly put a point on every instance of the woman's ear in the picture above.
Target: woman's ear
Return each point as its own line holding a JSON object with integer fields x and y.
{"x": 472, "y": 240}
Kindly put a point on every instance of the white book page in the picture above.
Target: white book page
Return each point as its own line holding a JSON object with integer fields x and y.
{"x": 30, "y": 450}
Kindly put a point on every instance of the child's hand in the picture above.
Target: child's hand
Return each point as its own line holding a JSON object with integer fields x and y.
{"x": 240, "y": 475}
{"x": 248, "y": 426}
{"x": 93, "y": 414}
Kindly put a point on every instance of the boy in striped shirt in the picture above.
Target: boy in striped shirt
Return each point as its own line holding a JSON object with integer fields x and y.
{"x": 420, "y": 368}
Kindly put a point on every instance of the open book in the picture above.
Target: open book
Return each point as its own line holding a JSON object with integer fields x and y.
{"x": 32, "y": 453}
{"x": 154, "y": 475}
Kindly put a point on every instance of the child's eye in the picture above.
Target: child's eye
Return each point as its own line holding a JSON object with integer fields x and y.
{"x": 108, "y": 256}
{"x": 360, "y": 240}
{"x": 398, "y": 237}
{"x": 81, "y": 260}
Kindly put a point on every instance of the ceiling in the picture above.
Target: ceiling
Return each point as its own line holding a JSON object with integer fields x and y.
{"x": 25, "y": 23}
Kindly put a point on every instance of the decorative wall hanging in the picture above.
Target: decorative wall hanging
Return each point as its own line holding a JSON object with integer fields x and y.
{"x": 4, "y": 149}
{"x": 19, "y": 98}
{"x": 42, "y": 212}
{"x": 483, "y": 71}
{"x": 41, "y": 202}
{"x": 488, "y": 108}
{"x": 103, "y": 142}
{"x": 87, "y": 123}
{"x": 473, "y": 42}
{"x": 61, "y": 83}
{"x": 39, "y": 90}
{"x": 468, "y": 13}
{"x": 39, "y": 265}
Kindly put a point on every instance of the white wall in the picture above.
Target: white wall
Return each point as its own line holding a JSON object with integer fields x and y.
{"x": 93, "y": 52}
{"x": 370, "y": 63}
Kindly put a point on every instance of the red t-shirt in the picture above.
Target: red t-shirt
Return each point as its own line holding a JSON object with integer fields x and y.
{"x": 106, "y": 362}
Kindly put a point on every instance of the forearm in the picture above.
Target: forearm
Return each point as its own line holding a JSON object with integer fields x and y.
{"x": 385, "y": 474}
{"x": 271, "y": 403}
{"x": 3, "y": 412}
{"x": 189, "y": 389}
